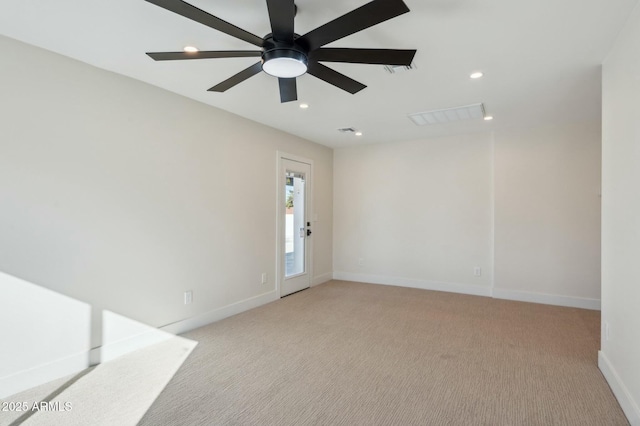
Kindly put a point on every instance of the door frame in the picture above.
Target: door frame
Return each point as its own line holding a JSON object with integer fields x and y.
{"x": 280, "y": 218}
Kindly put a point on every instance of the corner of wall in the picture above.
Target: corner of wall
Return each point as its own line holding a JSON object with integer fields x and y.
{"x": 619, "y": 389}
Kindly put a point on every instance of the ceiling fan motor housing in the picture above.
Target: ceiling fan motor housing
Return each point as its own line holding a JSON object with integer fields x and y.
{"x": 284, "y": 59}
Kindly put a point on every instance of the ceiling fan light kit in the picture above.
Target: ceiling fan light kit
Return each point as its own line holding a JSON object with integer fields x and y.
{"x": 283, "y": 60}
{"x": 287, "y": 55}
{"x": 284, "y": 66}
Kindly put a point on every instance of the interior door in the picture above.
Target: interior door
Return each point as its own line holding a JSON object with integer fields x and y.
{"x": 295, "y": 229}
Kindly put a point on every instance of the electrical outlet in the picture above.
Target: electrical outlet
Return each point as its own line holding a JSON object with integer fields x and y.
{"x": 188, "y": 297}
{"x": 477, "y": 271}
{"x": 360, "y": 261}
{"x": 265, "y": 278}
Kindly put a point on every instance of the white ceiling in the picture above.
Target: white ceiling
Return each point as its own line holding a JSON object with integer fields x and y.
{"x": 541, "y": 59}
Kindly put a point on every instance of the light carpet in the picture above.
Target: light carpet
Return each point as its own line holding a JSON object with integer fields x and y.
{"x": 358, "y": 354}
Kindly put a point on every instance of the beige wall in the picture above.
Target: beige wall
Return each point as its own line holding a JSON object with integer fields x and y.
{"x": 123, "y": 195}
{"x": 416, "y": 213}
{"x": 425, "y": 213}
{"x": 620, "y": 354}
{"x": 547, "y": 211}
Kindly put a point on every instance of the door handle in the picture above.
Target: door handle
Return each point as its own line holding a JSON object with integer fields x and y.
{"x": 308, "y": 232}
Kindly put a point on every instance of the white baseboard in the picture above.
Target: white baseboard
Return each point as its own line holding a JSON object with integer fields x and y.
{"x": 472, "y": 289}
{"x": 192, "y": 323}
{"x": 321, "y": 279}
{"x": 476, "y": 290}
{"x": 26, "y": 379}
{"x": 629, "y": 406}
{"x": 547, "y": 299}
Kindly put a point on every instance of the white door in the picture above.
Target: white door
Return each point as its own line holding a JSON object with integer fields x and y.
{"x": 295, "y": 227}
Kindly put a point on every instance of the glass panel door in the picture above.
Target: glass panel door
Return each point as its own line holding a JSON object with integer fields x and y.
{"x": 295, "y": 230}
{"x": 294, "y": 188}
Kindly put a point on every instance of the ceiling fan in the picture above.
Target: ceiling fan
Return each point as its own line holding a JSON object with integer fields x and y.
{"x": 287, "y": 55}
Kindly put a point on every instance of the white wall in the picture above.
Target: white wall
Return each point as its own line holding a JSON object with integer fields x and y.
{"x": 416, "y": 213}
{"x": 425, "y": 213}
{"x": 620, "y": 354}
{"x": 123, "y": 195}
{"x": 49, "y": 320}
{"x": 547, "y": 207}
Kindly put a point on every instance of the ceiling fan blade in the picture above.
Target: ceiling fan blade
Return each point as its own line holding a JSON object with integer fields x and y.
{"x": 364, "y": 56}
{"x": 238, "y": 78}
{"x": 334, "y": 77}
{"x": 188, "y": 11}
{"x": 288, "y": 90}
{"x": 359, "y": 19}
{"x": 210, "y": 54}
{"x": 281, "y": 14}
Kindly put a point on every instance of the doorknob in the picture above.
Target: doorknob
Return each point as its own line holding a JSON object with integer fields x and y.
{"x": 308, "y": 232}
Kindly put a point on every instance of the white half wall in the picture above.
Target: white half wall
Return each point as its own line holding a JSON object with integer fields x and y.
{"x": 620, "y": 354}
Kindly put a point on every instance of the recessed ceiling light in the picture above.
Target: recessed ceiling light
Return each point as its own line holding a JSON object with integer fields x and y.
{"x": 358, "y": 133}
{"x": 191, "y": 49}
{"x": 488, "y": 118}
{"x": 476, "y": 74}
{"x": 304, "y": 106}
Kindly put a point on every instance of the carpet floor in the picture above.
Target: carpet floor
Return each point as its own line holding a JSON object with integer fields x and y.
{"x": 346, "y": 353}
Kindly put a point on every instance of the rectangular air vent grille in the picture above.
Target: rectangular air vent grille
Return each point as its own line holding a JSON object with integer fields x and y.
{"x": 394, "y": 69}
{"x": 449, "y": 115}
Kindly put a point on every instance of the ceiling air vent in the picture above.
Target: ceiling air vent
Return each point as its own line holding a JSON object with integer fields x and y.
{"x": 394, "y": 69}
{"x": 449, "y": 115}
